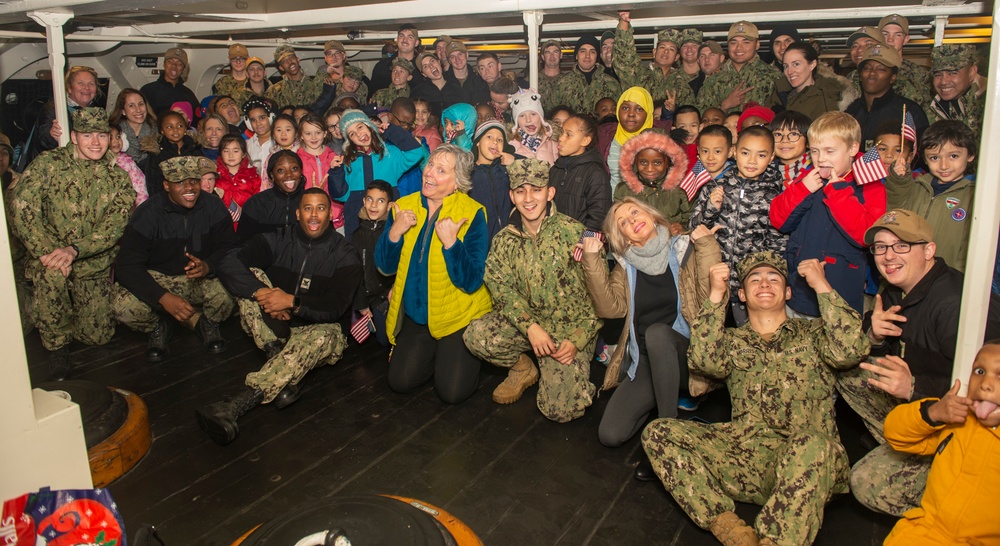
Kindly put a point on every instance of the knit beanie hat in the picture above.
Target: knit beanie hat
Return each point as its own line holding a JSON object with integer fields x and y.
{"x": 586, "y": 40}
{"x": 526, "y": 100}
{"x": 484, "y": 128}
{"x": 352, "y": 116}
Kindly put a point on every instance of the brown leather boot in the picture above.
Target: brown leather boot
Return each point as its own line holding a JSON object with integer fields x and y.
{"x": 767, "y": 542}
{"x": 733, "y": 531}
{"x": 521, "y": 376}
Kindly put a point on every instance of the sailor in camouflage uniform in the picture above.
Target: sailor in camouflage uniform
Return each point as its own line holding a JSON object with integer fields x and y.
{"x": 540, "y": 302}
{"x": 169, "y": 253}
{"x": 229, "y": 84}
{"x": 743, "y": 78}
{"x": 355, "y": 73}
{"x": 296, "y": 89}
{"x": 69, "y": 209}
{"x": 913, "y": 81}
{"x": 782, "y": 449}
{"x": 297, "y": 288}
{"x": 587, "y": 83}
{"x": 659, "y": 77}
{"x": 384, "y": 97}
{"x": 955, "y": 71}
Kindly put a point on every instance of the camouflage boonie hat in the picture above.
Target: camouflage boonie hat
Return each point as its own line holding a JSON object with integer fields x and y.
{"x": 179, "y": 169}
{"x": 403, "y": 63}
{"x": 282, "y": 52}
{"x": 692, "y": 35}
{"x": 952, "y": 57}
{"x": 745, "y": 29}
{"x": 669, "y": 35}
{"x": 885, "y": 54}
{"x": 354, "y": 72}
{"x": 91, "y": 120}
{"x": 758, "y": 259}
{"x": 528, "y": 171}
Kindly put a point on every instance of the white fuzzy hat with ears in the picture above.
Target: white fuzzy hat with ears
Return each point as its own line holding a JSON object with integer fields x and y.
{"x": 526, "y": 100}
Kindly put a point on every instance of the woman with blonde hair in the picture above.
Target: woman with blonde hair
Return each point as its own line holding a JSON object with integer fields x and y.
{"x": 658, "y": 297}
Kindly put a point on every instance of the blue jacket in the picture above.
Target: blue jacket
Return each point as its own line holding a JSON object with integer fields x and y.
{"x": 347, "y": 182}
{"x": 491, "y": 188}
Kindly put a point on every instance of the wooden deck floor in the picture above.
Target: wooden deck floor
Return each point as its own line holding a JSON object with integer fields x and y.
{"x": 507, "y": 472}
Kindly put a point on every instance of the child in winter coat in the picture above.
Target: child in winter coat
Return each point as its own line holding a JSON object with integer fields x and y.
{"x": 426, "y": 125}
{"x": 389, "y": 152}
{"x": 377, "y": 201}
{"x": 791, "y": 145}
{"x": 237, "y": 179}
{"x": 490, "y": 182}
{"x": 533, "y": 137}
{"x": 583, "y": 190}
{"x": 119, "y": 147}
{"x": 459, "y": 122}
{"x": 284, "y": 136}
{"x": 652, "y": 166}
{"x": 172, "y": 142}
{"x": 317, "y": 160}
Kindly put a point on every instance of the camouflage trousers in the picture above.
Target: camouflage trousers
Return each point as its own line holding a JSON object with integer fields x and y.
{"x": 208, "y": 295}
{"x": 884, "y": 480}
{"x": 707, "y": 467}
{"x": 564, "y": 392}
{"x": 307, "y": 347}
{"x": 68, "y": 308}
{"x": 25, "y": 303}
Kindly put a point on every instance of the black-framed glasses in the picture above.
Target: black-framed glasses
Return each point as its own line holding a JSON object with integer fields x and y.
{"x": 792, "y": 136}
{"x": 879, "y": 249}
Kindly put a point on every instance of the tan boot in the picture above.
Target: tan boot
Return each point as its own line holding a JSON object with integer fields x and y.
{"x": 521, "y": 376}
{"x": 767, "y": 542}
{"x": 733, "y": 531}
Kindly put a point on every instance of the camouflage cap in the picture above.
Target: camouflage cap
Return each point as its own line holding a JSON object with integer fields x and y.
{"x": 528, "y": 171}
{"x": 442, "y": 38}
{"x": 865, "y": 32}
{"x": 334, "y": 45}
{"x": 887, "y": 55}
{"x": 745, "y": 29}
{"x": 238, "y": 50}
{"x": 549, "y": 43}
{"x": 91, "y": 120}
{"x": 908, "y": 226}
{"x": 669, "y": 35}
{"x": 176, "y": 53}
{"x": 179, "y": 169}
{"x": 424, "y": 55}
{"x": 283, "y": 52}
{"x": 758, "y": 259}
{"x": 403, "y": 63}
{"x": 354, "y": 72}
{"x": 692, "y": 35}
{"x": 952, "y": 57}
{"x": 895, "y": 19}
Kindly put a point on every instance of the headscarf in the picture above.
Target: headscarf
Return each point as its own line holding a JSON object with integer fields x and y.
{"x": 640, "y": 96}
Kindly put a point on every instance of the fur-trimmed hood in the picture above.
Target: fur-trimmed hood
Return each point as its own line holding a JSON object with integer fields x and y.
{"x": 663, "y": 144}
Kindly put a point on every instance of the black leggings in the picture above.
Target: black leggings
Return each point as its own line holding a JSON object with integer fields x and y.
{"x": 418, "y": 356}
{"x": 661, "y": 373}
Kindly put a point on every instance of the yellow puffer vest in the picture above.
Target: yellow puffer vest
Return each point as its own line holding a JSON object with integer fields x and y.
{"x": 449, "y": 309}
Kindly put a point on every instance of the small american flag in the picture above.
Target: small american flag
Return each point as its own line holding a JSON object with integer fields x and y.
{"x": 869, "y": 168}
{"x": 909, "y": 128}
{"x": 361, "y": 329}
{"x": 698, "y": 177}
{"x": 235, "y": 211}
{"x": 578, "y": 251}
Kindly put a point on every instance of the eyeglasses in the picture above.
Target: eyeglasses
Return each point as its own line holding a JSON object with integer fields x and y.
{"x": 898, "y": 248}
{"x": 793, "y": 136}
{"x": 239, "y": 59}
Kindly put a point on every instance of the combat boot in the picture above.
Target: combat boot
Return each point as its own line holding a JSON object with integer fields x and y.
{"x": 218, "y": 420}
{"x": 273, "y": 348}
{"x": 731, "y": 530}
{"x": 59, "y": 364}
{"x": 521, "y": 376}
{"x": 211, "y": 338}
{"x": 158, "y": 349}
{"x": 287, "y": 396}
{"x": 767, "y": 542}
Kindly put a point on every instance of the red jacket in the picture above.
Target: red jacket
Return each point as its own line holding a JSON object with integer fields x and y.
{"x": 237, "y": 188}
{"x": 315, "y": 169}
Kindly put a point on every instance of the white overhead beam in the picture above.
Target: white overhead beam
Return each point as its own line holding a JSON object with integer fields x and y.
{"x": 53, "y": 22}
{"x": 23, "y": 6}
{"x": 984, "y": 231}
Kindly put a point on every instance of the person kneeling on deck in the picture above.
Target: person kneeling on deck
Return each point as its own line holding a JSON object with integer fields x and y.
{"x": 540, "y": 299}
{"x": 782, "y": 448}
{"x": 170, "y": 248}
{"x": 296, "y": 289}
